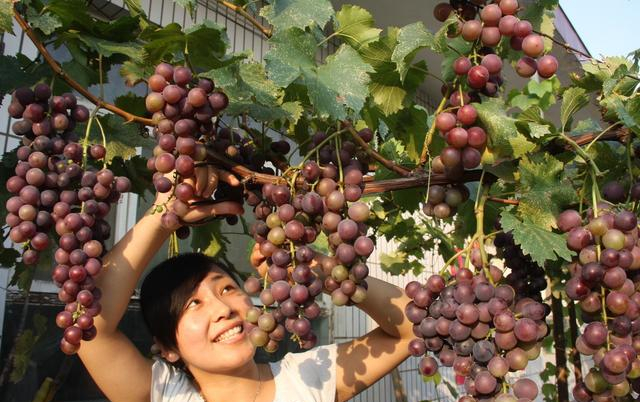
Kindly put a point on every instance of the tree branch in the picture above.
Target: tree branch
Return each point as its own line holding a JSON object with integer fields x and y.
{"x": 73, "y": 83}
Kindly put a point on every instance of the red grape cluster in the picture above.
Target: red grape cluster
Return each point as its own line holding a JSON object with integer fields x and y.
{"x": 479, "y": 329}
{"x": 183, "y": 114}
{"x": 289, "y": 220}
{"x": 603, "y": 281}
{"x": 497, "y": 20}
{"x": 56, "y": 194}
{"x": 465, "y": 141}
{"x": 442, "y": 201}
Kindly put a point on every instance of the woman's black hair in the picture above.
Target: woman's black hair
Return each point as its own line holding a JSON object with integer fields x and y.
{"x": 166, "y": 289}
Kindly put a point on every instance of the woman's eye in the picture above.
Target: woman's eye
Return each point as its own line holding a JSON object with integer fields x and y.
{"x": 193, "y": 303}
{"x": 228, "y": 288}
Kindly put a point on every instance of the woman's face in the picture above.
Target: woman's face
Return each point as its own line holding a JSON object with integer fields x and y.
{"x": 211, "y": 334}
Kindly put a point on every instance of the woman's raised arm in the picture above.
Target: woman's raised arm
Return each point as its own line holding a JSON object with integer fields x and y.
{"x": 115, "y": 364}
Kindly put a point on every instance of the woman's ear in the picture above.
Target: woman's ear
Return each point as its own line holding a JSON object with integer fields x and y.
{"x": 167, "y": 354}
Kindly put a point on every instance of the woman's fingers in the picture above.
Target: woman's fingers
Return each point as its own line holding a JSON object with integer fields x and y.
{"x": 258, "y": 261}
{"x": 212, "y": 210}
{"x": 228, "y": 177}
{"x": 212, "y": 182}
{"x": 201, "y": 174}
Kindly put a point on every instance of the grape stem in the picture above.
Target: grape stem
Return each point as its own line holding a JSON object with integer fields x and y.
{"x": 375, "y": 155}
{"x": 104, "y": 142}
{"x": 456, "y": 255}
{"x": 87, "y": 131}
{"x": 582, "y": 154}
{"x": 629, "y": 167}
{"x": 578, "y": 52}
{"x": 340, "y": 171}
{"x": 429, "y": 137}
{"x": 503, "y": 200}
{"x": 240, "y": 10}
{"x": 479, "y": 210}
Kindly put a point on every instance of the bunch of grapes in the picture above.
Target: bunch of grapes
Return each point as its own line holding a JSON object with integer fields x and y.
{"x": 478, "y": 328}
{"x": 603, "y": 281}
{"x": 526, "y": 277}
{"x": 183, "y": 113}
{"x": 57, "y": 194}
{"x": 442, "y": 201}
{"x": 465, "y": 141}
{"x": 289, "y": 220}
{"x": 497, "y": 20}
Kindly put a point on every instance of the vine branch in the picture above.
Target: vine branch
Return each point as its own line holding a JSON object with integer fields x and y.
{"x": 57, "y": 69}
{"x": 240, "y": 10}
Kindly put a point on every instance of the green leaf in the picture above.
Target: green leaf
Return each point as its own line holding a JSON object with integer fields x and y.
{"x": 393, "y": 150}
{"x": 134, "y": 73}
{"x": 389, "y": 98}
{"x": 504, "y": 138}
{"x": 573, "y": 99}
{"x": 135, "y": 9}
{"x": 12, "y": 75}
{"x": 132, "y": 103}
{"x": 395, "y": 263}
{"x": 411, "y": 39}
{"x": 544, "y": 191}
{"x": 284, "y": 14}
{"x": 340, "y": 84}
{"x": 542, "y": 245}
{"x": 207, "y": 44}
{"x": 24, "y": 345}
{"x": 355, "y": 25}
{"x": 208, "y": 239}
{"x": 188, "y": 5}
{"x": 47, "y": 22}
{"x": 538, "y": 130}
{"x": 6, "y": 16}
{"x": 440, "y": 41}
{"x": 290, "y": 52}
{"x": 410, "y": 126}
{"x": 108, "y": 48}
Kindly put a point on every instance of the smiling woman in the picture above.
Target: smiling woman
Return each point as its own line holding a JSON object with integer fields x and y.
{"x": 197, "y": 313}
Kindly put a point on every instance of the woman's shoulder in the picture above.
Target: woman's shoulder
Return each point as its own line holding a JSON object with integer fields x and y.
{"x": 170, "y": 384}
{"x": 309, "y": 374}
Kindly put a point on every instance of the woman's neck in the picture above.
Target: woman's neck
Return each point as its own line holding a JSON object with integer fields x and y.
{"x": 242, "y": 385}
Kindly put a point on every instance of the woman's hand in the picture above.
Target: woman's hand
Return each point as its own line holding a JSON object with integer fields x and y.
{"x": 204, "y": 182}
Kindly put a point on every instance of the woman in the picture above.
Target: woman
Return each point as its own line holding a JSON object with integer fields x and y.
{"x": 202, "y": 329}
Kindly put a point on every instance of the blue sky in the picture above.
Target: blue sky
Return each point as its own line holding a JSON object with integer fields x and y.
{"x": 608, "y": 28}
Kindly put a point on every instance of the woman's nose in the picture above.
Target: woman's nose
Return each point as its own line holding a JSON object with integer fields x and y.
{"x": 219, "y": 309}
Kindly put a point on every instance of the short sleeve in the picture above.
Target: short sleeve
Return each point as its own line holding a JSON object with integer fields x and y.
{"x": 307, "y": 376}
{"x": 170, "y": 384}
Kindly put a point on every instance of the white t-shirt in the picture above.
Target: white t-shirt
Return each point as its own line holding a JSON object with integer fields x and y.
{"x": 299, "y": 377}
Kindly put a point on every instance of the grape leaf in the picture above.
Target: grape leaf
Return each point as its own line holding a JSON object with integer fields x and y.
{"x": 208, "y": 239}
{"x": 132, "y": 103}
{"x": 283, "y": 14}
{"x": 573, "y": 99}
{"x": 395, "y": 263}
{"x": 108, "y": 48}
{"x": 6, "y": 17}
{"x": 542, "y": 245}
{"x": 188, "y": 5}
{"x": 290, "y": 51}
{"x": 504, "y": 138}
{"x": 440, "y": 40}
{"x": 24, "y": 345}
{"x": 538, "y": 130}
{"x": 544, "y": 191}
{"x": 340, "y": 84}
{"x": 355, "y": 25}
{"x": 410, "y": 126}
{"x": 411, "y": 38}
{"x": 12, "y": 75}
{"x": 46, "y": 22}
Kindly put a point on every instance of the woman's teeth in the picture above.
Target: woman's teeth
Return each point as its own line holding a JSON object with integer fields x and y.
{"x": 229, "y": 333}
